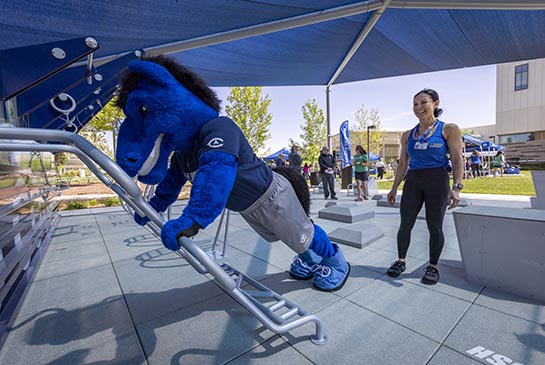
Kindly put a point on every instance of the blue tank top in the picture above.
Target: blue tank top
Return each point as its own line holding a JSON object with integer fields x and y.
{"x": 429, "y": 156}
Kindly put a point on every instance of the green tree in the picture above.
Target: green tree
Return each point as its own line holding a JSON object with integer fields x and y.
{"x": 98, "y": 139}
{"x": 250, "y": 111}
{"x": 358, "y": 134}
{"x": 60, "y": 159}
{"x": 107, "y": 119}
{"x": 471, "y": 132}
{"x": 314, "y": 130}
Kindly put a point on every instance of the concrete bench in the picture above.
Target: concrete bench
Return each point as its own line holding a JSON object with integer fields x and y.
{"x": 538, "y": 177}
{"x": 503, "y": 248}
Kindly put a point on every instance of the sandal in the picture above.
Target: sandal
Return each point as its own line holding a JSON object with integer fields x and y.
{"x": 431, "y": 275}
{"x": 396, "y": 269}
{"x": 358, "y": 200}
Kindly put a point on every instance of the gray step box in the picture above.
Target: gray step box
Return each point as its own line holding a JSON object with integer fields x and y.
{"x": 346, "y": 213}
{"x": 356, "y": 235}
{"x": 503, "y": 248}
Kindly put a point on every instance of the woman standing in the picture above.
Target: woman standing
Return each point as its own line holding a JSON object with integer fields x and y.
{"x": 424, "y": 162}
{"x": 499, "y": 163}
{"x": 361, "y": 171}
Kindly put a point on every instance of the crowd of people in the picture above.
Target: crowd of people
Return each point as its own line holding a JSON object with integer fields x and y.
{"x": 475, "y": 166}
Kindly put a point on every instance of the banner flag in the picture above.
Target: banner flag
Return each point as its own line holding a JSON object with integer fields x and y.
{"x": 345, "y": 144}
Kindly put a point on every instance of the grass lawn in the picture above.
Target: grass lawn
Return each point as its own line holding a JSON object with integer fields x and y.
{"x": 508, "y": 185}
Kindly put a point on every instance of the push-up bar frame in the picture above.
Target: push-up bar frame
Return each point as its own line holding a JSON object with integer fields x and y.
{"x": 229, "y": 279}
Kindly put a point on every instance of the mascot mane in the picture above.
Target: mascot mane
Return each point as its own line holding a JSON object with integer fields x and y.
{"x": 129, "y": 81}
{"x": 299, "y": 185}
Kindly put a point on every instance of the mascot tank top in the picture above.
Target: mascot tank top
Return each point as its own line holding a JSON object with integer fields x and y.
{"x": 427, "y": 152}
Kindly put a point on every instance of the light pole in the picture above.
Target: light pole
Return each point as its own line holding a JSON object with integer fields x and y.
{"x": 369, "y": 127}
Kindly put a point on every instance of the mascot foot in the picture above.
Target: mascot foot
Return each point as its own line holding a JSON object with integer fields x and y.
{"x": 304, "y": 265}
{"x": 332, "y": 272}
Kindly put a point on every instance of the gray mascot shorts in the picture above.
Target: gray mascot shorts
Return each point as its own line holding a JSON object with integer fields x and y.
{"x": 278, "y": 215}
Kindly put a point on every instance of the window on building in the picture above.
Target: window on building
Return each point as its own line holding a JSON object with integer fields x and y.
{"x": 522, "y": 137}
{"x": 521, "y": 77}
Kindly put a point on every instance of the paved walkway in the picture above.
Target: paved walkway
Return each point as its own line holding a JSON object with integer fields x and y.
{"x": 107, "y": 292}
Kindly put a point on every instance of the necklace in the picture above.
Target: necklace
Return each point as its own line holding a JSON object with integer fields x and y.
{"x": 427, "y": 133}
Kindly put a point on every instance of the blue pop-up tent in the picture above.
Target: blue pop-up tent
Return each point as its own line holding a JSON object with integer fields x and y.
{"x": 373, "y": 157}
{"x": 472, "y": 143}
{"x": 274, "y": 156}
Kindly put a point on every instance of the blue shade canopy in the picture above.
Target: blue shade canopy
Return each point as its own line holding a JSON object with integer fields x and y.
{"x": 473, "y": 143}
{"x": 290, "y": 42}
{"x": 373, "y": 157}
{"x": 273, "y": 156}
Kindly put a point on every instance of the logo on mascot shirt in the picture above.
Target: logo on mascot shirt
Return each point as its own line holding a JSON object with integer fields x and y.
{"x": 215, "y": 142}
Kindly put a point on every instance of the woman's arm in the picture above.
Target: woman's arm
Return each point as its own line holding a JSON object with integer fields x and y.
{"x": 401, "y": 167}
{"x": 453, "y": 135}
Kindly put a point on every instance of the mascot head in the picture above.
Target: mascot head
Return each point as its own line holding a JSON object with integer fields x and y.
{"x": 165, "y": 106}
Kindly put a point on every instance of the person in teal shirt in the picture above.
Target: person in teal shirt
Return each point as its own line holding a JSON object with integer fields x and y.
{"x": 361, "y": 172}
{"x": 499, "y": 163}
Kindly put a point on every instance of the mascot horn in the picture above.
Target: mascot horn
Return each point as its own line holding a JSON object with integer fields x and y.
{"x": 170, "y": 109}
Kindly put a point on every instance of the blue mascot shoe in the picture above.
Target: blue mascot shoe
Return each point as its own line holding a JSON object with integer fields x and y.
{"x": 333, "y": 272}
{"x": 304, "y": 265}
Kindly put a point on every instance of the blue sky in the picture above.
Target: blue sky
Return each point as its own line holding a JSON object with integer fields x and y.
{"x": 468, "y": 97}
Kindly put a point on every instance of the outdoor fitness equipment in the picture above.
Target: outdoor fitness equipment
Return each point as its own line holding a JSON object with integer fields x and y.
{"x": 275, "y": 312}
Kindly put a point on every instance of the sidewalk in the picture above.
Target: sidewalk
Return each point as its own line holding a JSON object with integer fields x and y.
{"x": 108, "y": 292}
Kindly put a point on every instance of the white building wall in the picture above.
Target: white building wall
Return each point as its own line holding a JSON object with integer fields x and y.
{"x": 524, "y": 110}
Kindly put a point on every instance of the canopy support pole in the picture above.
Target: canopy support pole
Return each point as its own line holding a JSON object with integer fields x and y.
{"x": 355, "y": 46}
{"x": 328, "y": 117}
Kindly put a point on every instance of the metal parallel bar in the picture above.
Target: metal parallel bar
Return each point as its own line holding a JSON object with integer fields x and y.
{"x": 89, "y": 151}
{"x": 58, "y": 148}
{"x": 213, "y": 251}
{"x": 218, "y": 230}
{"x": 225, "y": 233}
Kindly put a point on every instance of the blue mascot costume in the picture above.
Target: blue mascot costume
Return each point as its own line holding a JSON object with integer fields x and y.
{"x": 170, "y": 109}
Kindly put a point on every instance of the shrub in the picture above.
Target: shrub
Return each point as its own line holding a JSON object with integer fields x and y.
{"x": 76, "y": 204}
{"x": 109, "y": 202}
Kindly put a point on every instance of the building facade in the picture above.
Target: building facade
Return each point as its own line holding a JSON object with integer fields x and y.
{"x": 520, "y": 110}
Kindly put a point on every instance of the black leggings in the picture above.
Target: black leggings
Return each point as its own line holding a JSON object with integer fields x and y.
{"x": 429, "y": 186}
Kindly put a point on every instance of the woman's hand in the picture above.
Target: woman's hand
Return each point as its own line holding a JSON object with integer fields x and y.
{"x": 392, "y": 196}
{"x": 453, "y": 199}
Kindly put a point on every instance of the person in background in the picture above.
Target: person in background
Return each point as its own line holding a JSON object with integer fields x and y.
{"x": 498, "y": 163}
{"x": 475, "y": 163}
{"x": 327, "y": 171}
{"x": 361, "y": 172}
{"x": 294, "y": 158}
{"x": 423, "y": 162}
{"x": 381, "y": 168}
{"x": 306, "y": 171}
{"x": 396, "y": 164}
{"x": 280, "y": 161}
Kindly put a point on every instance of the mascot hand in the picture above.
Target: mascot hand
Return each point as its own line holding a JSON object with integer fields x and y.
{"x": 176, "y": 228}
{"x": 141, "y": 221}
